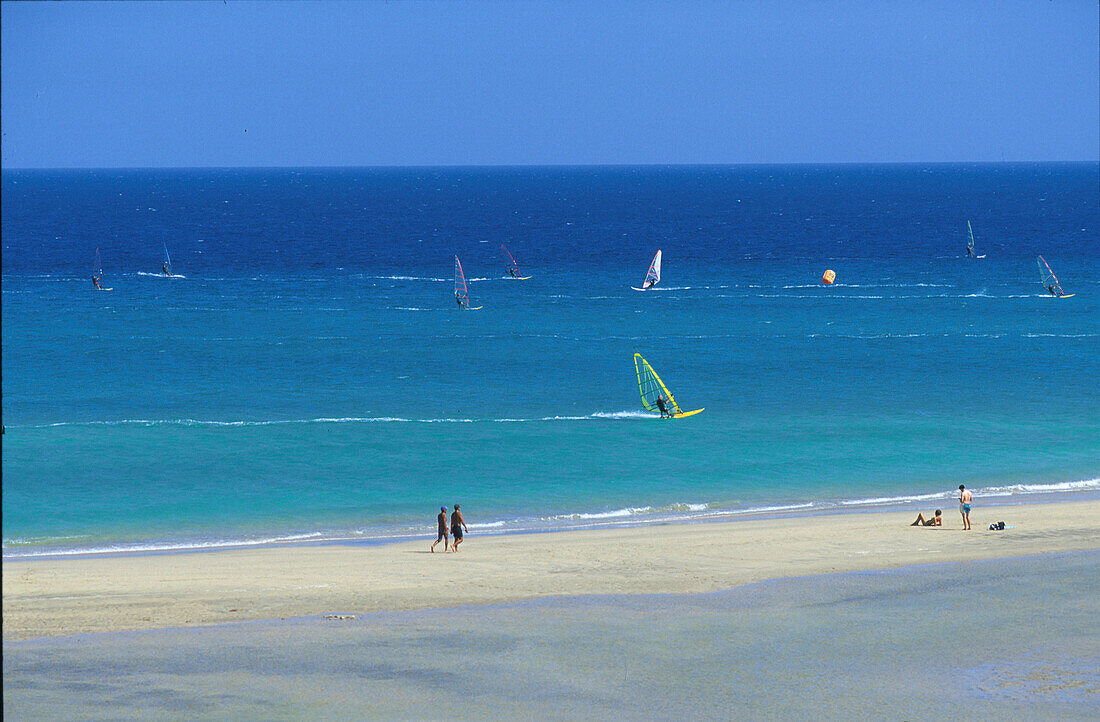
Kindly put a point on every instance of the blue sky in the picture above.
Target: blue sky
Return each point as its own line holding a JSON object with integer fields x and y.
{"x": 488, "y": 83}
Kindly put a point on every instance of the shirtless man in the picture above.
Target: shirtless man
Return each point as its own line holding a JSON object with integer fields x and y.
{"x": 965, "y": 498}
{"x": 458, "y": 525}
{"x": 441, "y": 522}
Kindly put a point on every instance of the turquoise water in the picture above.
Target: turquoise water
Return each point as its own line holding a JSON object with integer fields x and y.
{"x": 309, "y": 376}
{"x": 1011, "y": 637}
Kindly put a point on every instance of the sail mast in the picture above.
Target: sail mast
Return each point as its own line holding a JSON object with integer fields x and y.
{"x": 653, "y": 275}
{"x": 1050, "y": 281}
{"x": 515, "y": 266}
{"x": 461, "y": 292}
{"x": 650, "y": 387}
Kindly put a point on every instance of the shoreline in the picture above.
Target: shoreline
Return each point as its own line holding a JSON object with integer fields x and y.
{"x": 1062, "y": 492}
{"x": 52, "y": 597}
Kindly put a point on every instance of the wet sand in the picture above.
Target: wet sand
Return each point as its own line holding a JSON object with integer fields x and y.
{"x": 984, "y": 639}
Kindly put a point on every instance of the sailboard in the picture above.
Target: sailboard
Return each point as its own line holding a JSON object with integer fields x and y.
{"x": 513, "y": 270}
{"x": 1050, "y": 281}
{"x": 462, "y": 295}
{"x": 653, "y": 275}
{"x": 651, "y": 388}
{"x": 97, "y": 273}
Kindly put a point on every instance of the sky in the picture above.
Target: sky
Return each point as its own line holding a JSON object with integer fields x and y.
{"x": 229, "y": 84}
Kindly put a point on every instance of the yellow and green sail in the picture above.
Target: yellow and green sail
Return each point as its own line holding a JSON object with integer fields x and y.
{"x": 651, "y": 386}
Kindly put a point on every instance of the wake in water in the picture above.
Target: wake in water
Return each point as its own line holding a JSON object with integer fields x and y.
{"x": 160, "y": 275}
{"x": 409, "y": 278}
{"x": 341, "y": 420}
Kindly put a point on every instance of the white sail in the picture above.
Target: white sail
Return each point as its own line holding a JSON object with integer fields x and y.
{"x": 653, "y": 276}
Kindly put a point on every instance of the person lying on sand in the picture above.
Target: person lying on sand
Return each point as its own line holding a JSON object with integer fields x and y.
{"x": 931, "y": 521}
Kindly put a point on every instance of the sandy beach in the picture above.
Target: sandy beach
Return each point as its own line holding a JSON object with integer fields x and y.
{"x": 56, "y": 597}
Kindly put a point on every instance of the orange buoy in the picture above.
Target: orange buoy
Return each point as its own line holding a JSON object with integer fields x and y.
{"x": 829, "y": 277}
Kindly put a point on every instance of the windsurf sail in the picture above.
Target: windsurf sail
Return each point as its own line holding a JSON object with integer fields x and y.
{"x": 98, "y": 270}
{"x": 1050, "y": 281}
{"x": 167, "y": 260}
{"x": 653, "y": 276}
{"x": 970, "y": 239}
{"x": 514, "y": 268}
{"x": 461, "y": 294}
{"x": 650, "y": 386}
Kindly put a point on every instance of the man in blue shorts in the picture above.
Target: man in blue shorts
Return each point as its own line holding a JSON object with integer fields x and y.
{"x": 965, "y": 498}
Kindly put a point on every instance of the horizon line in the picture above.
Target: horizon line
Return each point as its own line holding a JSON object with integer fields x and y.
{"x": 551, "y": 165}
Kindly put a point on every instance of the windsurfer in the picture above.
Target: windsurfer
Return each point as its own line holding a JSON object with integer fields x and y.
{"x": 95, "y": 282}
{"x": 1052, "y": 290}
{"x": 513, "y": 272}
{"x": 164, "y": 267}
{"x": 661, "y": 406}
{"x": 458, "y": 300}
{"x": 970, "y": 252}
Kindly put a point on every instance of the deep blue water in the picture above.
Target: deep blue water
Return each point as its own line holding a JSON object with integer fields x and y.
{"x": 310, "y": 373}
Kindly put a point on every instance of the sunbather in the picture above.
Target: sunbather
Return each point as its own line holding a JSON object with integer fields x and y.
{"x": 936, "y": 520}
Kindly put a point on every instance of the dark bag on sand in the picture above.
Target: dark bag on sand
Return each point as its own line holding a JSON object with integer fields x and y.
{"x": 998, "y": 526}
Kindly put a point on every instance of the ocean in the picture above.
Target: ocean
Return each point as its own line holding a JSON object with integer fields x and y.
{"x": 308, "y": 376}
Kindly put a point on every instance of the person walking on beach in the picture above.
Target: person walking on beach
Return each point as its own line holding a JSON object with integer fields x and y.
{"x": 458, "y": 525}
{"x": 965, "y": 497}
{"x": 441, "y": 522}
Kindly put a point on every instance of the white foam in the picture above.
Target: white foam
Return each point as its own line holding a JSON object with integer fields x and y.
{"x": 408, "y": 278}
{"x": 161, "y": 275}
{"x": 615, "y": 514}
{"x": 762, "y": 509}
{"x": 896, "y": 499}
{"x": 341, "y": 420}
{"x": 1011, "y": 489}
{"x": 623, "y": 415}
{"x": 1007, "y": 490}
{"x": 140, "y": 548}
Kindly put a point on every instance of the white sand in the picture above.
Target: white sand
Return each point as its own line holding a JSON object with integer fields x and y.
{"x": 52, "y": 597}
